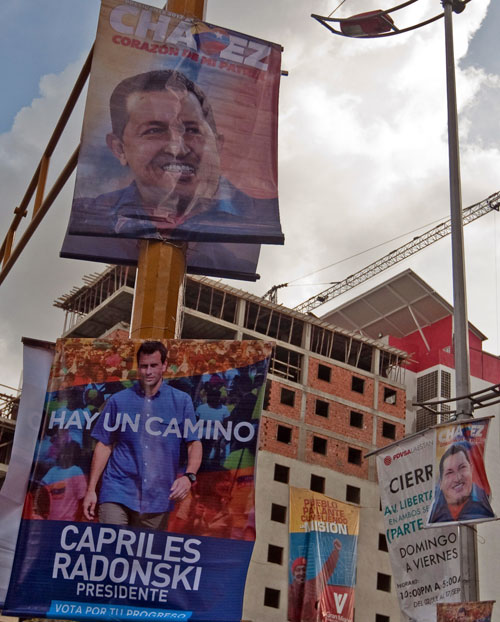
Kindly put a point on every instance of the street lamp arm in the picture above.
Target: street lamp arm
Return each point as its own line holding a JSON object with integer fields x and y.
{"x": 349, "y": 20}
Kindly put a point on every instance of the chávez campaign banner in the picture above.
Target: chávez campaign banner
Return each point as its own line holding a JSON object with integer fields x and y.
{"x": 180, "y": 131}
{"x": 141, "y": 496}
{"x": 425, "y": 563}
{"x": 323, "y": 546}
{"x": 461, "y": 488}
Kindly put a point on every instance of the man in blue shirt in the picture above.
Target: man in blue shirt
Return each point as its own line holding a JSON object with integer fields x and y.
{"x": 139, "y": 436}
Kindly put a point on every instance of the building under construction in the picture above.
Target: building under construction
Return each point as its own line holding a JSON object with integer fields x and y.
{"x": 339, "y": 387}
{"x": 332, "y": 396}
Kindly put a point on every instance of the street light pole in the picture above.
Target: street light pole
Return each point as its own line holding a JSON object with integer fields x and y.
{"x": 376, "y": 24}
{"x": 467, "y": 534}
{"x": 460, "y": 329}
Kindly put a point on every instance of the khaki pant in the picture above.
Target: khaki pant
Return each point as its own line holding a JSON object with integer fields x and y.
{"x": 118, "y": 514}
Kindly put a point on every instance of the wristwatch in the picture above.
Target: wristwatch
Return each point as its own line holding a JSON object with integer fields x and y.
{"x": 191, "y": 477}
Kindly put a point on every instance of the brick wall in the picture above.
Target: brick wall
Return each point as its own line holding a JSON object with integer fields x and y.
{"x": 398, "y": 409}
{"x": 341, "y": 383}
{"x": 336, "y": 456}
{"x": 382, "y": 441}
{"x": 274, "y": 405}
{"x": 338, "y": 420}
{"x": 269, "y": 442}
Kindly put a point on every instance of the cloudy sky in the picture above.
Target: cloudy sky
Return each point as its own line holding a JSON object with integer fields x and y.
{"x": 362, "y": 151}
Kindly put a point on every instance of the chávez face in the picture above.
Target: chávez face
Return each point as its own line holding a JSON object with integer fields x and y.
{"x": 170, "y": 148}
{"x": 299, "y": 574}
{"x": 456, "y": 482}
{"x": 151, "y": 371}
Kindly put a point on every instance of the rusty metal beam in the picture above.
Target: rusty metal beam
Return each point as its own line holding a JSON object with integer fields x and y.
{"x": 9, "y": 260}
{"x": 8, "y": 256}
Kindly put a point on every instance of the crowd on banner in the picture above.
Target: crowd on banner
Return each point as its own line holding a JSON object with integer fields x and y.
{"x": 465, "y": 612}
{"x": 83, "y": 361}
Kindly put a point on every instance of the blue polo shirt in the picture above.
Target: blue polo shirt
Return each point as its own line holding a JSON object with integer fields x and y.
{"x": 146, "y": 434}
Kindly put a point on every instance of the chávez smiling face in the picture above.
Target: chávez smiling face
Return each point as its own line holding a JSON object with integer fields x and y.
{"x": 456, "y": 478}
{"x": 171, "y": 149}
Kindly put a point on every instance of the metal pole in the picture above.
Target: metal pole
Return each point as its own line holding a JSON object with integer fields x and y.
{"x": 161, "y": 267}
{"x": 467, "y": 535}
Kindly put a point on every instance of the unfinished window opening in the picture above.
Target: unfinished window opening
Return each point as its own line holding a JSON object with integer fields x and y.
{"x": 382, "y": 542}
{"x": 353, "y": 494}
{"x": 359, "y": 354}
{"x": 287, "y": 397}
{"x": 267, "y": 395}
{"x": 354, "y": 456}
{"x": 381, "y": 618}
{"x": 274, "y": 554}
{"x": 390, "y": 395}
{"x": 272, "y": 598}
{"x": 317, "y": 484}
{"x": 391, "y": 366}
{"x": 324, "y": 373}
{"x": 284, "y": 434}
{"x": 211, "y": 301}
{"x": 321, "y": 408}
{"x": 388, "y": 430}
{"x": 281, "y": 473}
{"x": 383, "y": 582}
{"x": 356, "y": 419}
{"x": 273, "y": 323}
{"x": 286, "y": 364}
{"x": 278, "y": 513}
{"x": 357, "y": 384}
{"x": 319, "y": 445}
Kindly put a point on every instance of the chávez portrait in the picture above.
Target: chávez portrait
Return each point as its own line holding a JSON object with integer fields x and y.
{"x": 163, "y": 131}
{"x": 457, "y": 496}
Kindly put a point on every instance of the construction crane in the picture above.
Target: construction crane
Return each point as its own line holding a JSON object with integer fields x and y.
{"x": 471, "y": 213}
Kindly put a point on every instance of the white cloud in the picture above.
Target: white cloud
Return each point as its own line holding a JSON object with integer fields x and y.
{"x": 363, "y": 158}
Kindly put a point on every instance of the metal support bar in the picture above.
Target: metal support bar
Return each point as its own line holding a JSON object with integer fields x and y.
{"x": 42, "y": 180}
{"x": 39, "y": 178}
{"x": 10, "y": 259}
{"x": 426, "y": 343}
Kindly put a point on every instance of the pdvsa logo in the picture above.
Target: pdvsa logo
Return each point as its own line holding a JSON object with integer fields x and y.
{"x": 388, "y": 459}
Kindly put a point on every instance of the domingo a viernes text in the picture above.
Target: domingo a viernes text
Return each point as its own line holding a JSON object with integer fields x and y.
{"x": 122, "y": 564}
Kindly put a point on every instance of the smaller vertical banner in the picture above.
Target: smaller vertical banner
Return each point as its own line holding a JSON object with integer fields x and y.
{"x": 425, "y": 563}
{"x": 462, "y": 491}
{"x": 465, "y": 612}
{"x": 323, "y": 547}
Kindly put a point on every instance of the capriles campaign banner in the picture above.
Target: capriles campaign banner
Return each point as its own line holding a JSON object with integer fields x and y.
{"x": 112, "y": 527}
{"x": 425, "y": 563}
{"x": 462, "y": 490}
{"x": 323, "y": 552}
{"x": 179, "y": 136}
